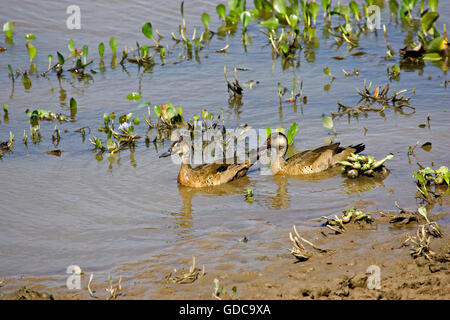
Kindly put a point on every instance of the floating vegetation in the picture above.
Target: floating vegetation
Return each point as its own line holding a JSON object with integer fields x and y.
{"x": 183, "y": 276}
{"x": 298, "y": 249}
{"x": 428, "y": 175}
{"x": 354, "y": 73}
{"x": 8, "y": 29}
{"x": 328, "y": 123}
{"x": 41, "y": 114}
{"x": 168, "y": 117}
{"x": 370, "y": 101}
{"x": 8, "y": 145}
{"x": 358, "y": 165}
{"x": 249, "y": 196}
{"x": 120, "y": 139}
{"x": 351, "y": 215}
{"x": 425, "y": 177}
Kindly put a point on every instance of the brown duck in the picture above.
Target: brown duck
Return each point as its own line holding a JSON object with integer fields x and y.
{"x": 204, "y": 175}
{"x": 306, "y": 162}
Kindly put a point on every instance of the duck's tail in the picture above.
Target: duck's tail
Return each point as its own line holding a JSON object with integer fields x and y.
{"x": 358, "y": 148}
{"x": 343, "y": 153}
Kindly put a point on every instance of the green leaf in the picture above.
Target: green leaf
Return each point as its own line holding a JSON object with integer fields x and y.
{"x": 73, "y": 104}
{"x": 327, "y": 122}
{"x": 221, "y": 10}
{"x": 271, "y": 23}
{"x": 393, "y": 6}
{"x": 326, "y": 70}
{"x": 71, "y": 46}
{"x": 111, "y": 145}
{"x": 432, "y": 57}
{"x": 246, "y": 17}
{"x": 204, "y": 114}
{"x": 85, "y": 53}
{"x": 162, "y": 52}
{"x": 355, "y": 9}
{"x": 134, "y": 96}
{"x": 205, "y": 20}
{"x": 314, "y": 10}
{"x": 170, "y": 111}
{"x": 437, "y": 45}
{"x": 144, "y": 104}
{"x": 157, "y": 110}
{"x": 284, "y": 47}
{"x": 101, "y": 49}
{"x": 268, "y": 131}
{"x": 428, "y": 20}
{"x": 30, "y": 36}
{"x": 395, "y": 69}
{"x": 293, "y": 19}
{"x": 433, "y": 4}
{"x": 292, "y": 132}
{"x": 136, "y": 121}
{"x": 8, "y": 29}
{"x": 31, "y": 50}
{"x": 113, "y": 44}
{"x": 144, "y": 51}
{"x": 11, "y": 70}
{"x": 147, "y": 30}
{"x": 280, "y": 6}
{"x": 61, "y": 59}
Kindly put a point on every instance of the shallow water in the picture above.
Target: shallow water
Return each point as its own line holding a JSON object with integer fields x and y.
{"x": 101, "y": 213}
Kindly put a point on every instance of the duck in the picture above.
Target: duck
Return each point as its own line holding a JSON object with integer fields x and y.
{"x": 205, "y": 175}
{"x": 306, "y": 162}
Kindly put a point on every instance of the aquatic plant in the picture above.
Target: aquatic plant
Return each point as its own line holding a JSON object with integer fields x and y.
{"x": 186, "y": 276}
{"x": 134, "y": 96}
{"x": 426, "y": 176}
{"x": 336, "y": 224}
{"x": 41, "y": 114}
{"x": 120, "y": 139}
{"x": 358, "y": 165}
{"x": 327, "y": 122}
{"x": 8, "y": 29}
{"x": 249, "y": 195}
{"x": 7, "y": 145}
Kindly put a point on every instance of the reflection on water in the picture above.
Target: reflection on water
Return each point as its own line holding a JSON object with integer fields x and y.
{"x": 183, "y": 218}
{"x": 363, "y": 184}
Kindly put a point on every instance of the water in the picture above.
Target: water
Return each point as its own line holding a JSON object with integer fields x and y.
{"x": 101, "y": 213}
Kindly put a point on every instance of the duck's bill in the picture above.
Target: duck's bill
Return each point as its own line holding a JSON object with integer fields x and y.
{"x": 166, "y": 154}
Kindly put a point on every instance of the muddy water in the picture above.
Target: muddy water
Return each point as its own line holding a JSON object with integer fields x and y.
{"x": 101, "y": 212}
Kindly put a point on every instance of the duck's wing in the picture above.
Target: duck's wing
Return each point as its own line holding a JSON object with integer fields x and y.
{"x": 309, "y": 157}
{"x": 221, "y": 172}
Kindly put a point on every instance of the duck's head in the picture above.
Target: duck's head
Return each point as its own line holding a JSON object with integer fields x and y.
{"x": 179, "y": 147}
{"x": 277, "y": 143}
